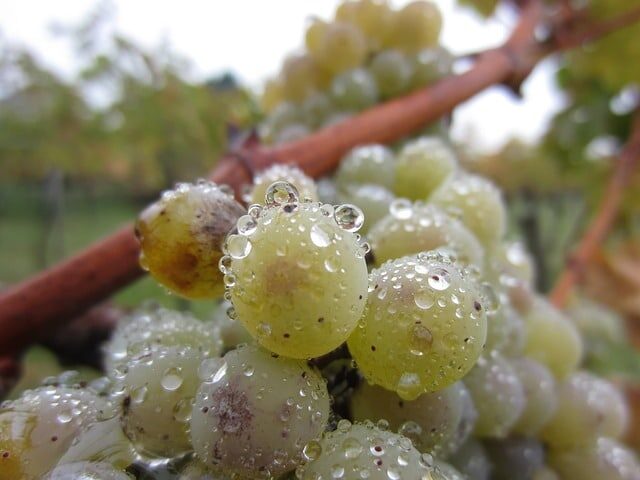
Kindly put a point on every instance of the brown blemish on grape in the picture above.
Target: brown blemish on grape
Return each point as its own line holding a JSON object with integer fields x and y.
{"x": 283, "y": 277}
{"x": 5, "y": 454}
{"x": 477, "y": 305}
{"x": 232, "y": 409}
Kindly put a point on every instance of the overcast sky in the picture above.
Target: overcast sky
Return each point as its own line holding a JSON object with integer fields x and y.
{"x": 251, "y": 37}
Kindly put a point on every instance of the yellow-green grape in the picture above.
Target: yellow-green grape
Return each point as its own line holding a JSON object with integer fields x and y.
{"x": 597, "y": 322}
{"x": 232, "y": 333}
{"x": 510, "y": 260}
{"x": 604, "y": 459}
{"x": 479, "y": 204}
{"x": 280, "y": 173}
{"x": 432, "y": 421}
{"x": 87, "y": 471}
{"x": 327, "y": 191}
{"x": 37, "y": 428}
{"x": 291, "y": 133}
{"x": 412, "y": 228}
{"x": 196, "y": 470}
{"x": 256, "y": 412}
{"x": 272, "y": 95}
{"x": 430, "y": 65}
{"x": 341, "y": 47}
{"x": 157, "y": 391}
{"x": 445, "y": 471}
{"x": 364, "y": 451}
{"x": 374, "y": 164}
{"x": 471, "y": 460}
{"x": 296, "y": 273}
{"x": 541, "y": 399}
{"x": 298, "y": 75}
{"x": 373, "y": 17}
{"x": 552, "y": 339}
{"x": 423, "y": 328}
{"x": 545, "y": 473}
{"x": 392, "y": 72}
{"x": 497, "y": 394}
{"x": 422, "y": 166}
{"x": 354, "y": 90}
{"x": 514, "y": 458}
{"x": 373, "y": 200}
{"x": 506, "y": 330}
{"x": 314, "y": 36}
{"x": 286, "y": 113}
{"x": 416, "y": 26}
{"x": 148, "y": 329}
{"x": 317, "y": 108}
{"x": 588, "y": 407}
{"x": 181, "y": 237}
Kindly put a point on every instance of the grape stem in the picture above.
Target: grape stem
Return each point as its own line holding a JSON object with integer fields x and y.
{"x": 32, "y": 309}
{"x": 603, "y": 220}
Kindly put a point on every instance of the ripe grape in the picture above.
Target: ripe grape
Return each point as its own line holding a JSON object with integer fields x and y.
{"x": 181, "y": 235}
{"x": 340, "y": 47}
{"x": 87, "y": 471}
{"x": 471, "y": 460}
{"x": 272, "y": 95}
{"x": 373, "y": 200}
{"x": 430, "y": 65}
{"x": 316, "y": 109}
{"x": 369, "y": 164}
{"x": 540, "y": 394}
{"x": 412, "y": 228}
{"x": 275, "y": 173}
{"x": 285, "y": 114}
{"x": 422, "y": 166}
{"x": 497, "y": 394}
{"x": 423, "y": 327}
{"x": 392, "y": 72}
{"x": 232, "y": 333}
{"x": 506, "y": 330}
{"x": 298, "y": 75}
{"x": 416, "y": 26}
{"x": 372, "y": 17}
{"x": 588, "y": 407}
{"x": 596, "y": 322}
{"x": 296, "y": 274}
{"x": 354, "y": 90}
{"x": 514, "y": 458}
{"x": 510, "y": 260}
{"x": 255, "y": 413}
{"x": 314, "y": 36}
{"x": 545, "y": 473}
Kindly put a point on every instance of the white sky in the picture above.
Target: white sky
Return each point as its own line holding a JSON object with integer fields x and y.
{"x": 251, "y": 38}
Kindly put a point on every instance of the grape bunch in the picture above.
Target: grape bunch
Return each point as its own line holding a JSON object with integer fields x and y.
{"x": 367, "y": 54}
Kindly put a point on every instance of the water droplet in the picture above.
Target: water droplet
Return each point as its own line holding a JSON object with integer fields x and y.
{"x": 172, "y": 379}
{"x": 344, "y": 425}
{"x": 65, "y": 416}
{"x": 247, "y": 225}
{"x": 439, "y": 279}
{"x": 337, "y": 471}
{"x": 401, "y": 209}
{"x": 208, "y": 368}
{"x": 349, "y": 217}
{"x": 423, "y": 299}
{"x": 222, "y": 371}
{"x": 491, "y": 301}
{"x": 138, "y": 395}
{"x": 225, "y": 264}
{"x": 238, "y": 246}
{"x": 421, "y": 339}
{"x": 393, "y": 472}
{"x": 183, "y": 409}
{"x": 312, "y": 450}
{"x": 248, "y": 370}
{"x": 281, "y": 193}
{"x": 331, "y": 264}
{"x": 321, "y": 235}
{"x": 352, "y": 448}
{"x": 408, "y": 385}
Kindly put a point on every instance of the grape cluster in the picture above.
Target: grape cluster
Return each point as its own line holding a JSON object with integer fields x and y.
{"x": 368, "y": 53}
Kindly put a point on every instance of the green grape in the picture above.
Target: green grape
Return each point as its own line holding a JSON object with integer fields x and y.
{"x": 510, "y": 260}
{"x": 374, "y": 18}
{"x": 296, "y": 273}
{"x": 479, "y": 204}
{"x": 299, "y": 77}
{"x": 354, "y": 90}
{"x": 600, "y": 460}
{"x": 588, "y": 407}
{"x": 392, "y": 72}
{"x": 196, "y": 470}
{"x": 374, "y": 164}
{"x": 147, "y": 329}
{"x": 432, "y": 421}
{"x": 416, "y": 26}
{"x": 364, "y": 451}
{"x": 272, "y": 95}
{"x": 291, "y": 133}
{"x": 315, "y": 35}
{"x": 37, "y": 428}
{"x": 445, "y": 471}
{"x": 497, "y": 394}
{"x": 472, "y": 461}
{"x": 506, "y": 330}
{"x": 430, "y": 65}
{"x": 87, "y": 471}
{"x": 552, "y": 339}
{"x": 545, "y": 473}
{"x": 286, "y": 113}
{"x": 327, "y": 191}
{"x": 317, "y": 108}
{"x": 514, "y": 458}
{"x": 422, "y": 166}
{"x": 341, "y": 47}
{"x": 157, "y": 391}
{"x": 255, "y": 413}
{"x": 540, "y": 394}
{"x": 597, "y": 322}
{"x": 412, "y": 228}
{"x": 232, "y": 333}
{"x": 181, "y": 234}
{"x": 373, "y": 200}
{"x": 276, "y": 173}
{"x": 423, "y": 327}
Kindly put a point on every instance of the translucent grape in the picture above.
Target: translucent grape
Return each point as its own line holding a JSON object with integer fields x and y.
{"x": 588, "y": 407}
{"x": 255, "y": 414}
{"x": 514, "y": 458}
{"x": 157, "y": 391}
{"x": 416, "y": 26}
{"x": 373, "y": 18}
{"x": 412, "y": 228}
{"x": 288, "y": 173}
{"x": 540, "y": 393}
{"x": 552, "y": 339}
{"x": 340, "y": 46}
{"x": 423, "y": 328}
{"x": 354, "y": 90}
{"x": 512, "y": 260}
{"x": 181, "y": 234}
{"x": 373, "y": 200}
{"x": 232, "y": 333}
{"x": 472, "y": 461}
{"x": 298, "y": 283}
{"x": 87, "y": 471}
{"x": 364, "y": 451}
{"x": 392, "y": 72}
{"x": 430, "y": 65}
{"x": 369, "y": 164}
{"x": 317, "y": 108}
{"x": 298, "y": 75}
{"x": 432, "y": 421}
{"x": 497, "y": 394}
{"x": 422, "y": 166}
{"x": 597, "y": 322}
{"x": 479, "y": 204}
{"x": 506, "y": 330}
{"x": 314, "y": 35}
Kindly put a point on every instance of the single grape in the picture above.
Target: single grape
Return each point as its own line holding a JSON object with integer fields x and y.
{"x": 255, "y": 413}
{"x": 412, "y": 228}
{"x": 416, "y": 26}
{"x": 514, "y": 458}
{"x": 341, "y": 46}
{"x": 510, "y": 260}
{"x": 423, "y": 327}
{"x": 497, "y": 394}
{"x": 181, "y": 235}
{"x": 597, "y": 322}
{"x": 372, "y": 17}
{"x": 471, "y": 460}
{"x": 296, "y": 274}
{"x": 545, "y": 473}
{"x": 285, "y": 173}
{"x": 588, "y": 407}
{"x": 315, "y": 36}
{"x": 373, "y": 200}
{"x": 272, "y": 95}
{"x": 232, "y": 333}
{"x": 540, "y": 394}
{"x": 298, "y": 75}
{"x": 422, "y": 166}
{"x": 368, "y": 164}
{"x": 364, "y": 451}
{"x": 157, "y": 391}
{"x": 430, "y": 65}
{"x": 284, "y": 114}
{"x": 87, "y": 471}
{"x": 506, "y": 330}
{"x": 317, "y": 108}
{"x": 354, "y": 90}
{"x": 392, "y": 72}
{"x": 552, "y": 339}
{"x": 432, "y": 421}
{"x": 600, "y": 460}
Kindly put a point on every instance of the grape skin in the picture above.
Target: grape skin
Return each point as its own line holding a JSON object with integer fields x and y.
{"x": 392, "y": 72}
{"x": 288, "y": 173}
{"x": 373, "y": 18}
{"x": 298, "y": 75}
{"x": 430, "y": 65}
{"x": 373, "y": 200}
{"x": 87, "y": 471}
{"x": 471, "y": 459}
{"x": 416, "y": 26}
{"x": 369, "y": 164}
{"x": 340, "y": 46}
{"x": 540, "y": 392}
{"x": 506, "y": 331}
{"x": 354, "y": 90}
